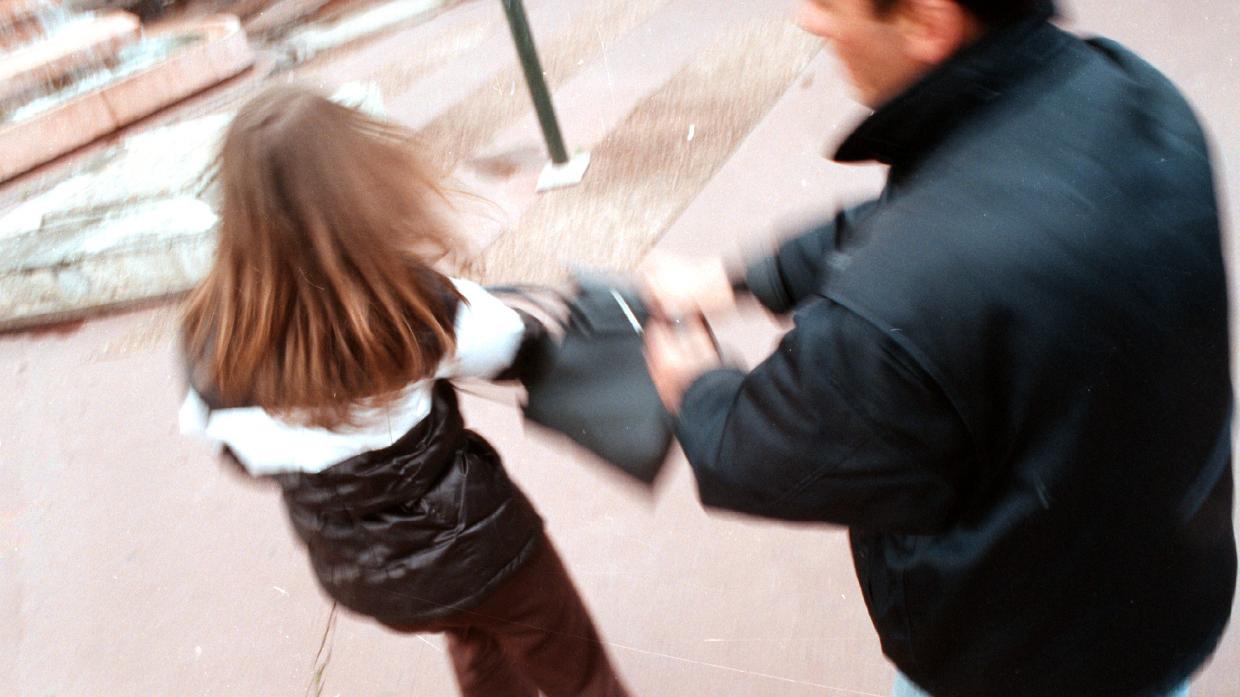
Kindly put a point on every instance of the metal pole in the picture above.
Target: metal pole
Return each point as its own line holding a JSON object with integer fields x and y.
{"x": 534, "y": 78}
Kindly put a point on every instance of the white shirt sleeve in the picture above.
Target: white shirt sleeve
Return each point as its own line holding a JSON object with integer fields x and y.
{"x": 194, "y": 417}
{"x": 488, "y": 335}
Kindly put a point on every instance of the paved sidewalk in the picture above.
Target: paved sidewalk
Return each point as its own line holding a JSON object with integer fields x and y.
{"x": 131, "y": 564}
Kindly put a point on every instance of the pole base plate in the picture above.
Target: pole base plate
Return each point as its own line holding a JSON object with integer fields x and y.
{"x": 568, "y": 174}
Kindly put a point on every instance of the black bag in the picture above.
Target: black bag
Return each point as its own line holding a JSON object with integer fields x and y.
{"x": 590, "y": 383}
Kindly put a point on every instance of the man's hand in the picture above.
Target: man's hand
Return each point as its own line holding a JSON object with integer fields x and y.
{"x": 677, "y": 354}
{"x": 677, "y": 287}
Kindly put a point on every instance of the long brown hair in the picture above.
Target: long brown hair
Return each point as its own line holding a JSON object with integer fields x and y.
{"x": 321, "y": 298}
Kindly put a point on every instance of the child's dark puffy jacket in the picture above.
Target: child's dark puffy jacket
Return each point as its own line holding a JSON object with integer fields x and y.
{"x": 425, "y": 527}
{"x": 411, "y": 517}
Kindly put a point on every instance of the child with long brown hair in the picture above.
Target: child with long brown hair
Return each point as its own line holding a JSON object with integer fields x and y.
{"x": 321, "y": 349}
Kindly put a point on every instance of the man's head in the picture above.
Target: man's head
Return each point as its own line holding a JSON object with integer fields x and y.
{"x": 886, "y": 45}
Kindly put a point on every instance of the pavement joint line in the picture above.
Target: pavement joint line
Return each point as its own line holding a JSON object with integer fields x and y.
{"x": 753, "y": 673}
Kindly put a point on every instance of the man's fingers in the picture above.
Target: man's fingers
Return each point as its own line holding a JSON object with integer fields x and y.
{"x": 676, "y": 355}
{"x": 694, "y": 337}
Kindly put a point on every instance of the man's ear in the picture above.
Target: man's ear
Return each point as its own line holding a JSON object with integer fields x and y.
{"x": 934, "y": 30}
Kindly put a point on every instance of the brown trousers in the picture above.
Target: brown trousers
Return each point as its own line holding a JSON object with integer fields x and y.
{"x": 532, "y": 634}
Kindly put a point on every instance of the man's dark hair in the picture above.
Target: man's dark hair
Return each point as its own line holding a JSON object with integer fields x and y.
{"x": 992, "y": 13}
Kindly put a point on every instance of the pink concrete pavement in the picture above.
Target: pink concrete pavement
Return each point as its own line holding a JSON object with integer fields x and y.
{"x": 130, "y": 564}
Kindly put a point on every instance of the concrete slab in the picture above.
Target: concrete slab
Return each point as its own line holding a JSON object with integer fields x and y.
{"x": 131, "y": 564}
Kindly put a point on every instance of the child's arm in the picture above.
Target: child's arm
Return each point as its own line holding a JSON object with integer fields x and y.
{"x": 493, "y": 341}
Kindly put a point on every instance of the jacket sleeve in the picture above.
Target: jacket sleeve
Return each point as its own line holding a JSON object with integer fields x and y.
{"x": 494, "y": 341}
{"x": 838, "y": 425}
{"x": 798, "y": 269}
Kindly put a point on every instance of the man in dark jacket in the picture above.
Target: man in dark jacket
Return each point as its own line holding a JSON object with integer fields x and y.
{"x": 1008, "y": 374}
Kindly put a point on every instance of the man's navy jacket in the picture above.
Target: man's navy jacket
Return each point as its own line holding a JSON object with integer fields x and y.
{"x": 1008, "y": 377}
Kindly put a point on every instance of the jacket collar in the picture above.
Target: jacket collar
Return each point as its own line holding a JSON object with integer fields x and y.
{"x": 905, "y": 127}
